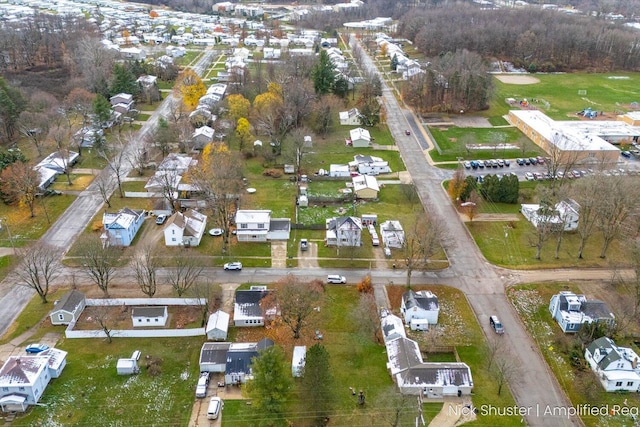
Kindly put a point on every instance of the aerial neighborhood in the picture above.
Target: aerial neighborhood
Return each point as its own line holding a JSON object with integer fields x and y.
{"x": 326, "y": 214}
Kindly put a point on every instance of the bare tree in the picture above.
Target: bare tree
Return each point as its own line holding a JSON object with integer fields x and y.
{"x": 422, "y": 242}
{"x": 98, "y": 261}
{"x": 397, "y": 409}
{"x": 38, "y": 267}
{"x": 166, "y": 183}
{"x": 34, "y": 126}
{"x": 585, "y": 193}
{"x": 145, "y": 264}
{"x": 60, "y": 135}
{"x": 546, "y": 225}
{"x": 185, "y": 271}
{"x": 20, "y": 183}
{"x": 96, "y": 64}
{"x": 295, "y": 147}
{"x": 504, "y": 370}
{"x": 138, "y": 159}
{"x": 365, "y": 317}
{"x": 104, "y": 184}
{"x": 618, "y": 200}
{"x": 472, "y": 205}
{"x": 116, "y": 157}
{"x": 495, "y": 346}
{"x": 103, "y": 316}
{"x": 296, "y": 302}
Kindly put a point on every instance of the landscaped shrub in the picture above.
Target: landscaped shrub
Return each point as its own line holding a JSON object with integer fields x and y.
{"x": 365, "y": 286}
{"x": 273, "y": 173}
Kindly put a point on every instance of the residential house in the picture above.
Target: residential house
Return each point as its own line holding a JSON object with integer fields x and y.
{"x": 88, "y": 136}
{"x": 68, "y": 308}
{"x": 218, "y": 326}
{"x": 365, "y": 186}
{"x": 185, "y": 229}
{"x": 571, "y": 311}
{"x": 616, "y": 367}
{"x": 239, "y": 359}
{"x": 53, "y": 165}
{"x": 360, "y": 138}
{"x": 414, "y": 376}
{"x": 392, "y": 234}
{"x": 247, "y": 309}
{"x": 121, "y": 227}
{"x": 392, "y": 327}
{"x": 156, "y": 315}
{"x": 23, "y": 379}
{"x": 298, "y": 360}
{"x": 122, "y": 102}
{"x": 344, "y": 231}
{"x": 419, "y": 309}
{"x": 339, "y": 171}
{"x": 177, "y": 162}
{"x": 369, "y": 165}
{"x": 149, "y": 90}
{"x": 564, "y": 215}
{"x": 350, "y": 118}
{"x": 213, "y": 356}
{"x": 258, "y": 226}
{"x": 201, "y": 137}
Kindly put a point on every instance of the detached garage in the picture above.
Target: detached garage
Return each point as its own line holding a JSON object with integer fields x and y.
{"x": 149, "y": 316}
{"x": 213, "y": 356}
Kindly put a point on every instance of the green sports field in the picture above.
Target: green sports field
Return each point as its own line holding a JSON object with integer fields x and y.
{"x": 561, "y": 95}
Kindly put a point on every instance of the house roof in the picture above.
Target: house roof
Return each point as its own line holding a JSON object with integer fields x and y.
{"x": 280, "y": 224}
{"x": 57, "y": 161}
{"x": 402, "y": 354}
{"x": 425, "y": 300}
{"x": 218, "y": 320}
{"x": 69, "y": 301}
{"x": 252, "y": 216}
{"x": 360, "y": 133}
{"x": 437, "y": 374}
{"x": 392, "y": 327}
{"x": 248, "y": 303}
{"x": 22, "y": 370}
{"x": 154, "y": 311}
{"x": 240, "y": 361}
{"x": 177, "y": 162}
{"x": 344, "y": 223}
{"x": 362, "y": 182}
{"x": 56, "y": 357}
{"x": 359, "y": 158}
{"x": 122, "y": 219}
{"x": 191, "y": 222}
{"x": 214, "y": 352}
{"x": 205, "y": 131}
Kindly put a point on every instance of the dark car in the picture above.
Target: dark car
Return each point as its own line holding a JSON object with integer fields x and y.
{"x": 520, "y": 162}
{"x": 407, "y": 132}
{"x": 533, "y": 160}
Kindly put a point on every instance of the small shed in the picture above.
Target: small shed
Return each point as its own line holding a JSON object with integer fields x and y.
{"x": 369, "y": 219}
{"x": 127, "y": 367}
{"x": 419, "y": 324}
{"x": 149, "y": 316}
{"x": 289, "y": 169}
{"x": 68, "y": 308}
{"x": 299, "y": 360}
{"x": 218, "y": 326}
{"x": 303, "y": 201}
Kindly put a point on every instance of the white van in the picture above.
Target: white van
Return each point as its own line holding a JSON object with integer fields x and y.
{"x": 336, "y": 278}
{"x": 215, "y": 406}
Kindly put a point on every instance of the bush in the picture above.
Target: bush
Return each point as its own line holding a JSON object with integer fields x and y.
{"x": 365, "y": 286}
{"x": 273, "y": 173}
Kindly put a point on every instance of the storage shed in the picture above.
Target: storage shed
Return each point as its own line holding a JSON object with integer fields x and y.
{"x": 218, "y": 326}
{"x": 127, "y": 367}
{"x": 149, "y": 316}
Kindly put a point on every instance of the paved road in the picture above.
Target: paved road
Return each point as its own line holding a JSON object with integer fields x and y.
{"x": 534, "y": 385}
{"x": 74, "y": 220}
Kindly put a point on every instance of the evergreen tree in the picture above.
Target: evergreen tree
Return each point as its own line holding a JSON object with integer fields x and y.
{"x": 323, "y": 74}
{"x": 394, "y": 62}
{"x": 270, "y": 387}
{"x": 123, "y": 81}
{"x": 102, "y": 109}
{"x": 470, "y": 185}
{"x": 318, "y": 384}
{"x": 11, "y": 105}
{"x": 341, "y": 87}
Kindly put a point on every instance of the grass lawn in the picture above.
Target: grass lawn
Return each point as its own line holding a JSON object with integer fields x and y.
{"x": 277, "y": 194}
{"x": 582, "y": 387}
{"x": 143, "y": 117}
{"x": 458, "y": 327}
{"x": 90, "y": 160}
{"x": 517, "y": 249}
{"x": 78, "y": 182}
{"x": 135, "y": 186}
{"x": 22, "y": 227}
{"x": 89, "y": 391}
{"x": 603, "y": 93}
{"x": 452, "y": 143}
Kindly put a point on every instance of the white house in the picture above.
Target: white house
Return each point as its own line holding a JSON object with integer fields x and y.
{"x": 392, "y": 234}
{"x": 418, "y": 308}
{"x": 392, "y": 327}
{"x": 213, "y": 356}
{"x": 218, "y": 326}
{"x": 564, "y": 215}
{"x": 202, "y": 136}
{"x": 365, "y": 186}
{"x": 339, "y": 171}
{"x": 298, "y": 360}
{"x": 68, "y": 308}
{"x": 350, "y": 118}
{"x": 23, "y": 379}
{"x": 369, "y": 165}
{"x": 247, "y": 310}
{"x": 360, "y": 138}
{"x": 616, "y": 367}
{"x": 121, "y": 227}
{"x": 344, "y": 231}
{"x": 571, "y": 311}
{"x": 149, "y": 316}
{"x": 177, "y": 162}
{"x": 258, "y": 226}
{"x": 185, "y": 229}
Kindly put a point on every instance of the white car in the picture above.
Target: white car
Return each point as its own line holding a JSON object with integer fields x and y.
{"x": 233, "y": 266}
{"x": 529, "y": 176}
{"x": 335, "y": 278}
{"x": 203, "y": 383}
{"x": 215, "y": 406}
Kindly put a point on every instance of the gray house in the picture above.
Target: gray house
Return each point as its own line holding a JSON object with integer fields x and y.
{"x": 239, "y": 358}
{"x": 213, "y": 356}
{"x": 68, "y": 308}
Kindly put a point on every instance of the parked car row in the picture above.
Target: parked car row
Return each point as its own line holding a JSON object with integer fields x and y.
{"x": 493, "y": 163}
{"x": 538, "y": 176}
{"x": 532, "y": 161}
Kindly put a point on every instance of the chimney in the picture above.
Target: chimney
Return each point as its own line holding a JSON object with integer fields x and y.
{"x": 634, "y": 364}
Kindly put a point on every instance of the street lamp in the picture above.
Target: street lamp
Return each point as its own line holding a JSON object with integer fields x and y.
{"x": 8, "y": 232}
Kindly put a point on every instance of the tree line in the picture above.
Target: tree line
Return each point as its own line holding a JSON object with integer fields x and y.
{"x": 538, "y": 40}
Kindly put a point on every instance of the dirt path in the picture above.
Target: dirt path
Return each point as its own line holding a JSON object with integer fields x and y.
{"x": 490, "y": 217}
{"x": 278, "y": 254}
{"x": 454, "y": 412}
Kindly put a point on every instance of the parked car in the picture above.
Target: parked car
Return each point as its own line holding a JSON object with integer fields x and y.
{"x": 527, "y": 161}
{"x": 36, "y": 348}
{"x": 203, "y": 384}
{"x": 215, "y": 407}
{"x": 336, "y": 279}
{"x": 540, "y": 160}
{"x": 507, "y": 163}
{"x": 496, "y": 325}
{"x": 304, "y": 244}
{"x": 161, "y": 219}
{"x": 533, "y": 160}
{"x": 467, "y": 165}
{"x": 500, "y": 163}
{"x": 480, "y": 163}
{"x": 529, "y": 176}
{"x": 233, "y": 266}
{"x": 626, "y": 154}
{"x": 407, "y": 132}
{"x": 520, "y": 162}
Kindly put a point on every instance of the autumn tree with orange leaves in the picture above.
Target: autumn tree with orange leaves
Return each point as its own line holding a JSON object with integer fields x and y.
{"x": 20, "y": 184}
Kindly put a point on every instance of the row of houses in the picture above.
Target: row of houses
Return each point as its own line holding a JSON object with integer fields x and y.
{"x": 361, "y": 164}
